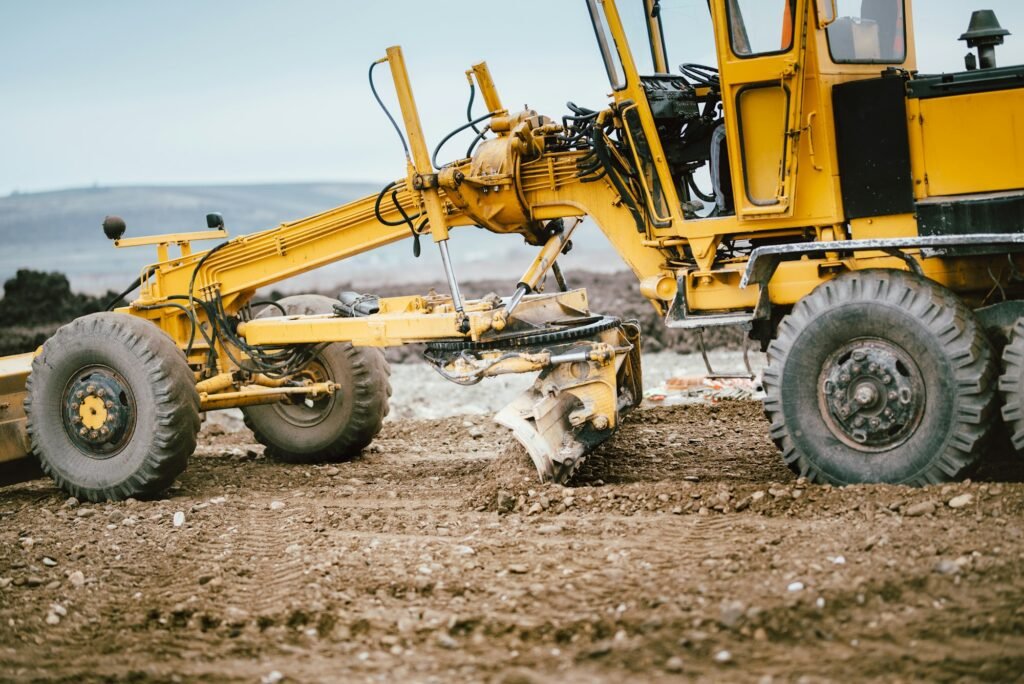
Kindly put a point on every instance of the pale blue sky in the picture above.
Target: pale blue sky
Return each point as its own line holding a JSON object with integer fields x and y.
{"x": 121, "y": 92}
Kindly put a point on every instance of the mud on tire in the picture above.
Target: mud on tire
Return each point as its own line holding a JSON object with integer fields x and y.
{"x": 334, "y": 428}
{"x": 838, "y": 421}
{"x": 142, "y": 408}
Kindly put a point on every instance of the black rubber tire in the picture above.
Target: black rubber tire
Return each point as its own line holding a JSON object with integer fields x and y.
{"x": 1011, "y": 387}
{"x": 166, "y": 407}
{"x": 348, "y": 421}
{"x": 934, "y": 329}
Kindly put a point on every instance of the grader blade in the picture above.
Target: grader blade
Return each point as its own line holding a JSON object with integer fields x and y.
{"x": 572, "y": 408}
{"x": 541, "y": 424}
{"x": 14, "y": 371}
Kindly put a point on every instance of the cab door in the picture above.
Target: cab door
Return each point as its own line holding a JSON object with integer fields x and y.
{"x": 761, "y": 48}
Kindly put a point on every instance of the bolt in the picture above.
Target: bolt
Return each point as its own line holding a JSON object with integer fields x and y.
{"x": 80, "y": 394}
{"x": 892, "y": 396}
{"x": 865, "y": 395}
{"x": 601, "y": 423}
{"x": 875, "y": 422}
{"x": 108, "y": 404}
{"x": 104, "y": 431}
{"x": 94, "y": 435}
{"x": 76, "y": 419}
{"x": 859, "y": 422}
{"x": 856, "y": 368}
{"x": 84, "y": 431}
{"x": 887, "y": 379}
{"x": 101, "y": 392}
{"x": 110, "y": 418}
{"x": 90, "y": 389}
{"x": 74, "y": 405}
{"x": 844, "y": 377}
{"x": 872, "y": 367}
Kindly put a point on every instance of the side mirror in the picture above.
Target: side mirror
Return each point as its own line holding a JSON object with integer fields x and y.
{"x": 215, "y": 221}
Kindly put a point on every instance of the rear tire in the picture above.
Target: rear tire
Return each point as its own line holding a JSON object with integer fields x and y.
{"x": 334, "y": 428}
{"x": 881, "y": 376}
{"x": 112, "y": 408}
{"x": 1011, "y": 387}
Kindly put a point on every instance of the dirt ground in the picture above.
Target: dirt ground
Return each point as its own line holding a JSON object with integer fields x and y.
{"x": 683, "y": 550}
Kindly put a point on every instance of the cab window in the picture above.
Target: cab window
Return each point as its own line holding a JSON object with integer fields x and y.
{"x": 866, "y": 31}
{"x": 760, "y": 27}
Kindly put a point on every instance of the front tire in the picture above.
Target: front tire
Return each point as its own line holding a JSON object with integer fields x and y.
{"x": 881, "y": 376}
{"x": 112, "y": 408}
{"x": 333, "y": 428}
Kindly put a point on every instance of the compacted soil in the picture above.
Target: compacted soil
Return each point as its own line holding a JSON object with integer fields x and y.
{"x": 682, "y": 550}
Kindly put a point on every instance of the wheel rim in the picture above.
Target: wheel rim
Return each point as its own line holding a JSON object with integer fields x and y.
{"x": 98, "y": 412}
{"x": 307, "y": 412}
{"x": 872, "y": 394}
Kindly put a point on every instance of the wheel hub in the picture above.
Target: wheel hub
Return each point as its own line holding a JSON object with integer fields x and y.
{"x": 873, "y": 394}
{"x": 98, "y": 411}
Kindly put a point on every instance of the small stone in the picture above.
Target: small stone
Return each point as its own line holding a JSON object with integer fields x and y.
{"x": 446, "y": 641}
{"x": 730, "y": 613}
{"x": 332, "y": 471}
{"x": 919, "y": 509}
{"x": 723, "y": 657}
{"x": 55, "y": 584}
{"x": 52, "y": 619}
{"x": 179, "y": 519}
{"x": 59, "y": 609}
{"x": 506, "y": 502}
{"x": 115, "y": 516}
{"x": 838, "y": 560}
{"x": 293, "y": 548}
{"x": 535, "y": 509}
{"x": 5, "y": 582}
{"x": 218, "y": 500}
{"x": 465, "y": 550}
{"x": 946, "y": 567}
{"x": 27, "y": 543}
{"x": 795, "y": 586}
{"x": 519, "y": 568}
{"x": 674, "y": 664}
{"x": 276, "y": 505}
{"x": 33, "y": 581}
{"x": 691, "y": 478}
{"x": 49, "y": 562}
{"x": 77, "y": 579}
{"x": 550, "y": 529}
{"x": 272, "y": 677}
{"x": 85, "y": 513}
{"x": 961, "y": 501}
{"x": 476, "y": 432}
{"x": 71, "y": 502}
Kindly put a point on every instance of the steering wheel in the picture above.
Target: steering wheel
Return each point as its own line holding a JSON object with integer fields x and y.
{"x": 700, "y": 75}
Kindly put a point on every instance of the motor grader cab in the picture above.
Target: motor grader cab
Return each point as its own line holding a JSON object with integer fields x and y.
{"x": 811, "y": 186}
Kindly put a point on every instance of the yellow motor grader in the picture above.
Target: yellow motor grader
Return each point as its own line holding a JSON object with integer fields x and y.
{"x": 862, "y": 220}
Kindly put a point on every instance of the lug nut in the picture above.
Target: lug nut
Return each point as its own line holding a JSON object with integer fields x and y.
{"x": 84, "y": 431}
{"x": 80, "y": 394}
{"x": 90, "y": 389}
{"x": 892, "y": 396}
{"x": 94, "y": 435}
{"x": 101, "y": 392}
{"x": 104, "y": 431}
{"x": 74, "y": 405}
{"x": 859, "y": 422}
{"x": 109, "y": 404}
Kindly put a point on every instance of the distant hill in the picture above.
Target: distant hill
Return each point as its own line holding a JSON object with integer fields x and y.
{"x": 60, "y": 231}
